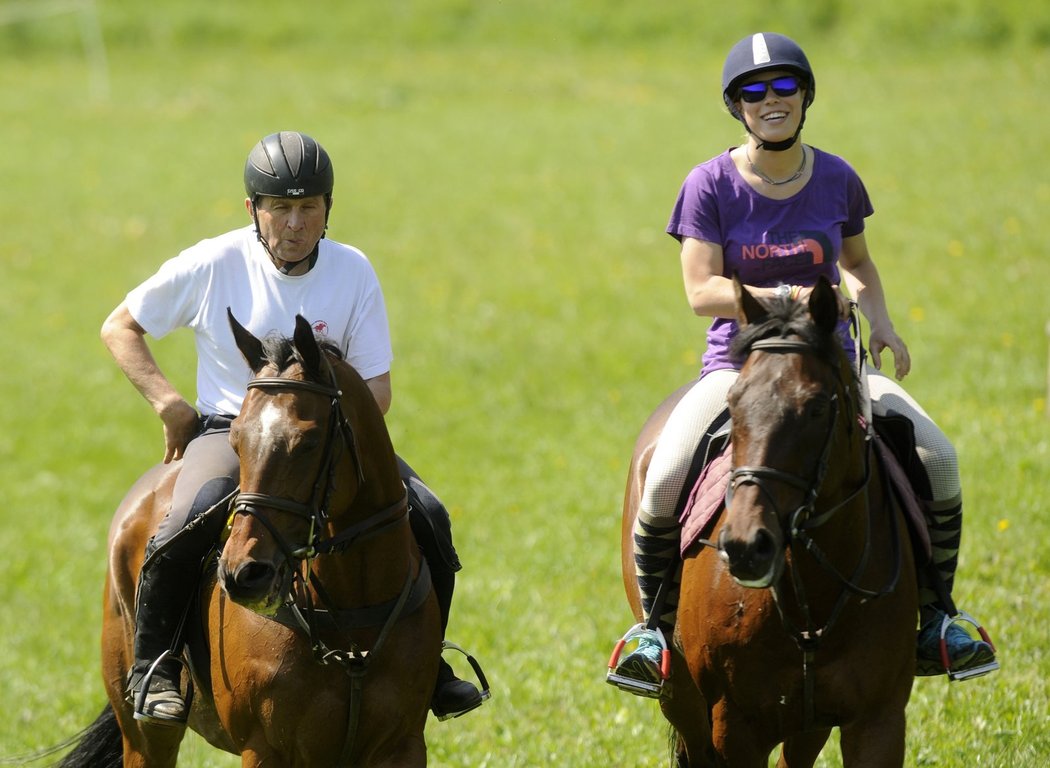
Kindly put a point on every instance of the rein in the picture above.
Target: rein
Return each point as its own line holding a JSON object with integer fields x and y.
{"x": 804, "y": 520}
{"x": 309, "y": 617}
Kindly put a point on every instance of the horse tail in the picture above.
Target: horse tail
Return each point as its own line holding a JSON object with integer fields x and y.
{"x": 100, "y": 745}
{"x": 675, "y": 750}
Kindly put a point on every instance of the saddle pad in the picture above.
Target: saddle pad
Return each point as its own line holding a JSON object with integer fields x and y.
{"x": 909, "y": 501}
{"x": 706, "y": 499}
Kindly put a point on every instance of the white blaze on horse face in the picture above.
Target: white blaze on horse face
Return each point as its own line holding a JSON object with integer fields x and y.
{"x": 270, "y": 420}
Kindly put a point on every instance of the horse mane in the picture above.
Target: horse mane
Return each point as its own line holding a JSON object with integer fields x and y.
{"x": 788, "y": 318}
{"x": 279, "y": 351}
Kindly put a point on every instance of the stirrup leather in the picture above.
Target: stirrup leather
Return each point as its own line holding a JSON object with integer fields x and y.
{"x": 486, "y": 693}
{"x": 965, "y": 674}
{"x": 629, "y": 684}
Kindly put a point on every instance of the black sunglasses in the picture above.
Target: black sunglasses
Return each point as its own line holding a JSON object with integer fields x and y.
{"x": 753, "y": 93}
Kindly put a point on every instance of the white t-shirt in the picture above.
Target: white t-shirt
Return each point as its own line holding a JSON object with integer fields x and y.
{"x": 340, "y": 297}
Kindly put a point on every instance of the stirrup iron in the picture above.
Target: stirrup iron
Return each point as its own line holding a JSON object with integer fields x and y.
{"x": 486, "y": 693}
{"x": 147, "y": 678}
{"x": 640, "y": 687}
{"x": 965, "y": 674}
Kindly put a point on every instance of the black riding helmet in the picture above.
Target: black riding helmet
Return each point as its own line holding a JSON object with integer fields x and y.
{"x": 288, "y": 164}
{"x": 759, "y": 53}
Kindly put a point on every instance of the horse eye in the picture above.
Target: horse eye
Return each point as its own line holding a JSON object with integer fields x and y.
{"x": 310, "y": 440}
{"x": 304, "y": 442}
{"x": 818, "y": 408}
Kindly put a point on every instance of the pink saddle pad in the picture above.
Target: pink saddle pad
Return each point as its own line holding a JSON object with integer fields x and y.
{"x": 706, "y": 499}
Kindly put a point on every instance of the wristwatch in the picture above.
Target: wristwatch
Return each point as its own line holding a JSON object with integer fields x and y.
{"x": 783, "y": 292}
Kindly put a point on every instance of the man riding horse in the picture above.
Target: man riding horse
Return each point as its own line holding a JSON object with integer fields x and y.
{"x": 266, "y": 273}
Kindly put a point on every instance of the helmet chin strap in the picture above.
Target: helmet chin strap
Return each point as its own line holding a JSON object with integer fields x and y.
{"x": 286, "y": 267}
{"x": 776, "y": 146}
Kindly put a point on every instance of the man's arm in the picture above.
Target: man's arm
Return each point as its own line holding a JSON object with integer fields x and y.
{"x": 126, "y": 341}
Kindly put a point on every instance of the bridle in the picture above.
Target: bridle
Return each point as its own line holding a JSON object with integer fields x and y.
{"x": 316, "y": 510}
{"x": 299, "y": 610}
{"x": 804, "y": 520}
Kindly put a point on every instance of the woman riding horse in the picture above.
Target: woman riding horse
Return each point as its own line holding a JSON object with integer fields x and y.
{"x": 780, "y": 214}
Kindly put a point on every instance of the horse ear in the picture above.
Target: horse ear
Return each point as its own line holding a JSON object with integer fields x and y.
{"x": 306, "y": 346}
{"x": 250, "y": 347}
{"x": 748, "y": 308}
{"x": 824, "y": 305}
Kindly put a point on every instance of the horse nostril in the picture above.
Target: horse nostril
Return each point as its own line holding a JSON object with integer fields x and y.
{"x": 731, "y": 548}
{"x": 752, "y": 554}
{"x": 251, "y": 578}
{"x": 764, "y": 547}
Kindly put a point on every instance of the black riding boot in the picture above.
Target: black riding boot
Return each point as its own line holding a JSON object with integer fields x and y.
{"x": 433, "y": 531}
{"x": 452, "y": 697}
{"x": 165, "y": 590}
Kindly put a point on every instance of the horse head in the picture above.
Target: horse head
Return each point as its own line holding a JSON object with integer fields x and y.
{"x": 292, "y": 438}
{"x": 788, "y": 409}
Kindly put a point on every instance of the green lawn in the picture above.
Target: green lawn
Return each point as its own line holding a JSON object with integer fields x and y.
{"x": 509, "y": 169}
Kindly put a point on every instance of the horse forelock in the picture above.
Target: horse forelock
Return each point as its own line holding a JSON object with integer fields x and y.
{"x": 791, "y": 319}
{"x": 279, "y": 351}
{"x": 787, "y": 319}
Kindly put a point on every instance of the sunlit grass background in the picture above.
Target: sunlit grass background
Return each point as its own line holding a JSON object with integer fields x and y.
{"x": 509, "y": 168}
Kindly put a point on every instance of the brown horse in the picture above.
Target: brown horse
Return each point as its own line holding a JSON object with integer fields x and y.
{"x": 320, "y": 633}
{"x": 798, "y": 614}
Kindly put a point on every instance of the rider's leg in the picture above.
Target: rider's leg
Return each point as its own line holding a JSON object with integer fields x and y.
{"x": 657, "y": 530}
{"x": 942, "y": 468}
{"x": 170, "y": 573}
{"x": 432, "y": 527}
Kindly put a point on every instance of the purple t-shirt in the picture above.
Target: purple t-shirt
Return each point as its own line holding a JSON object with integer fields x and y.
{"x": 770, "y": 242}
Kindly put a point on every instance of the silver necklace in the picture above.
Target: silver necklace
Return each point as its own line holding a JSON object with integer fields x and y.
{"x": 794, "y": 177}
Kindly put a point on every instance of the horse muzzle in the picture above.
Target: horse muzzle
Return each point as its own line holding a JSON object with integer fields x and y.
{"x": 755, "y": 558}
{"x": 256, "y": 585}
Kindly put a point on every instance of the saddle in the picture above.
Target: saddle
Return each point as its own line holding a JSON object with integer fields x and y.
{"x": 894, "y": 444}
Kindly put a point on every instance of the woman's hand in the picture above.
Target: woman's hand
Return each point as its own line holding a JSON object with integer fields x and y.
{"x": 802, "y": 293}
{"x": 887, "y": 338}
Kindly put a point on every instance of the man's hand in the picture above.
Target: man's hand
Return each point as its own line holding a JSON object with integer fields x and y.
{"x": 181, "y": 425}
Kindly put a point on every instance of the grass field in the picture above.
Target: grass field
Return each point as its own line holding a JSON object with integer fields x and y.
{"x": 509, "y": 169}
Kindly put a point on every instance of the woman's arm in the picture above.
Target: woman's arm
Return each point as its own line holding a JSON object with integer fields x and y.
{"x": 862, "y": 279}
{"x": 709, "y": 293}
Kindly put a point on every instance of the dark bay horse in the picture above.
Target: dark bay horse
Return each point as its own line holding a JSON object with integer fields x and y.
{"x": 798, "y": 614}
{"x": 343, "y": 678}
